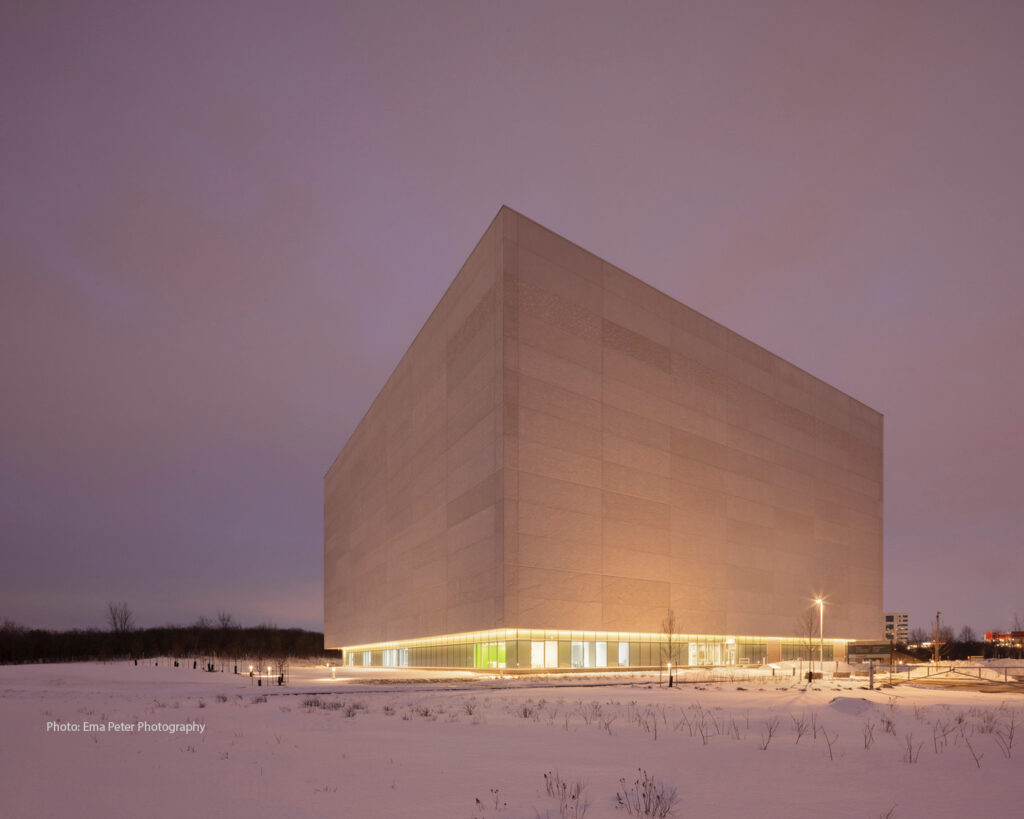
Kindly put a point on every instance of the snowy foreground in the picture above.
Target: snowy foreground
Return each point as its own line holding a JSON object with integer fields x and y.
{"x": 113, "y": 740}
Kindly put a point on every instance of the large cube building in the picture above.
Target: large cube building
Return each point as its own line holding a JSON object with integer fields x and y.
{"x": 567, "y": 466}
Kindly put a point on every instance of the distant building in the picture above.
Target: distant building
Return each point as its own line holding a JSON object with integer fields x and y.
{"x": 1005, "y": 639}
{"x": 897, "y": 626}
{"x": 567, "y": 465}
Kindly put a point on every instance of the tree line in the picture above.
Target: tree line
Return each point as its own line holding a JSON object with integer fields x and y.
{"x": 220, "y": 640}
{"x": 956, "y": 645}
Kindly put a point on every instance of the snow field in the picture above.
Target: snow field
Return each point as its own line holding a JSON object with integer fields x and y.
{"x": 470, "y": 747}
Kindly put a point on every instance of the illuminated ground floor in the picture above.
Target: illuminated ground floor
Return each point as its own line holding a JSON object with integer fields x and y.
{"x": 532, "y": 649}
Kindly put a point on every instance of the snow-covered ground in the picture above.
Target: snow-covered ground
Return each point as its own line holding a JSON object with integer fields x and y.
{"x": 389, "y": 744}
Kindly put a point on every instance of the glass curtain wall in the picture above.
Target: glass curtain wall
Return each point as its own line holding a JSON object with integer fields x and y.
{"x": 531, "y": 649}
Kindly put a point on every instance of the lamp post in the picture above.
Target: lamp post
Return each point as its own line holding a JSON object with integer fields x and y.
{"x": 821, "y": 635}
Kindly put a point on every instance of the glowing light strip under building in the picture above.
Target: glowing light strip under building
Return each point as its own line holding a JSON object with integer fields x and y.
{"x": 507, "y": 648}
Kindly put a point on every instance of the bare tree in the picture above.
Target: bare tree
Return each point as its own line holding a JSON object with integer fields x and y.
{"x": 669, "y": 648}
{"x": 227, "y": 636}
{"x": 917, "y": 636}
{"x": 806, "y": 629}
{"x": 967, "y": 635}
{"x": 120, "y": 618}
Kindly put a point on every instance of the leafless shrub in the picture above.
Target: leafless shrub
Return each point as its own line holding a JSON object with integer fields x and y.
{"x": 770, "y": 727}
{"x": 702, "y": 727}
{"x": 910, "y": 755}
{"x": 814, "y": 725}
{"x": 800, "y": 726}
{"x": 495, "y": 798}
{"x": 260, "y": 699}
{"x": 571, "y": 804}
{"x": 888, "y": 725}
{"x": 989, "y": 722}
{"x": 889, "y": 814}
{"x": 606, "y": 723}
{"x": 683, "y": 722}
{"x": 389, "y": 709}
{"x": 590, "y": 712}
{"x": 940, "y": 734}
{"x": 469, "y": 706}
{"x": 648, "y": 720}
{"x": 869, "y": 734}
{"x": 221, "y": 698}
{"x": 646, "y": 797}
{"x": 967, "y": 741}
{"x": 830, "y": 741}
{"x": 1004, "y": 735}
{"x": 714, "y": 723}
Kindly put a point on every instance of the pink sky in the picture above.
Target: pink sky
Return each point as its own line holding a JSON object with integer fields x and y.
{"x": 222, "y": 224}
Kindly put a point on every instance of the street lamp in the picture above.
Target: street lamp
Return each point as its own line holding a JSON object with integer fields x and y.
{"x": 821, "y": 634}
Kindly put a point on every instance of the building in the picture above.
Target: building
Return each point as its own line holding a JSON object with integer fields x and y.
{"x": 897, "y": 626}
{"x": 1005, "y": 639}
{"x": 567, "y": 465}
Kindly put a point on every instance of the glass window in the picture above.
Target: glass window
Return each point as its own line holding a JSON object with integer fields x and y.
{"x": 537, "y": 654}
{"x": 623, "y": 653}
{"x": 601, "y": 660}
